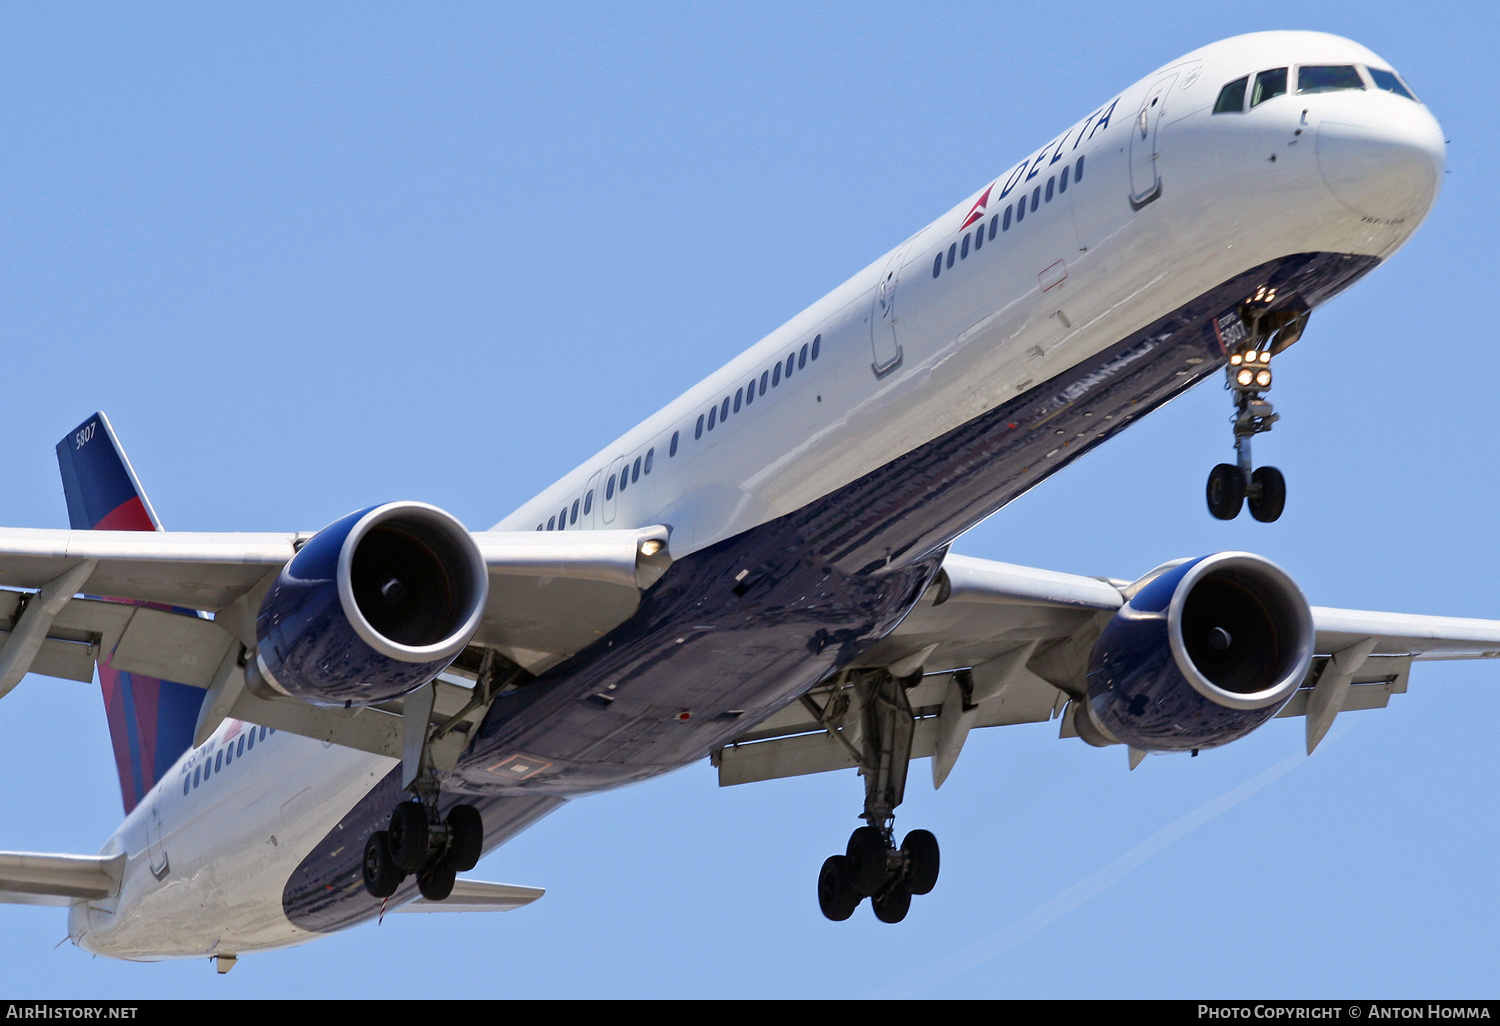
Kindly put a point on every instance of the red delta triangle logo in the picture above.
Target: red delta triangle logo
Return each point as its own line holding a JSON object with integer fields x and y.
{"x": 977, "y": 211}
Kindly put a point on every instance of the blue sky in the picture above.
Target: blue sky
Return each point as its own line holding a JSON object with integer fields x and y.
{"x": 309, "y": 258}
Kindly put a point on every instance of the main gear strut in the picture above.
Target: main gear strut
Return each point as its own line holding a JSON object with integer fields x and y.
{"x": 872, "y": 866}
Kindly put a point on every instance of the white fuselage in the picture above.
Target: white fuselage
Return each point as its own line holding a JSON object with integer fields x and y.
{"x": 1346, "y": 172}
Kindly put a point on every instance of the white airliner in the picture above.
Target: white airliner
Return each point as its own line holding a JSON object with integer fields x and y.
{"x": 316, "y": 728}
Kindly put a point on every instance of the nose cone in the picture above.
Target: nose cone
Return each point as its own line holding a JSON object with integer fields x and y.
{"x": 1382, "y": 155}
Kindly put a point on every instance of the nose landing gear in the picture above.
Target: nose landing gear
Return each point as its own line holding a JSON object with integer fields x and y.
{"x": 1248, "y": 376}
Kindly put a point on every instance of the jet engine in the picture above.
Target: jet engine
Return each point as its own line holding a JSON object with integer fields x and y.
{"x": 1201, "y": 655}
{"x": 372, "y": 607}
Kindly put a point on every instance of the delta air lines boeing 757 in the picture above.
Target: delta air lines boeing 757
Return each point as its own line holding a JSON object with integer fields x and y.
{"x": 315, "y": 728}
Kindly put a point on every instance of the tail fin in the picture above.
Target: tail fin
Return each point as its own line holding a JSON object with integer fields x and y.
{"x": 150, "y": 721}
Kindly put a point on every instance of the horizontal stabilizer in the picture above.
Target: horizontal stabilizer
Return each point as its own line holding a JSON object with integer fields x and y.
{"x": 32, "y": 878}
{"x": 478, "y": 896}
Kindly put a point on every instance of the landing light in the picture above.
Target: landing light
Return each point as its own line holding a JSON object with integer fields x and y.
{"x": 1236, "y": 359}
{"x": 1245, "y": 376}
{"x": 1263, "y": 378}
{"x": 1265, "y": 356}
{"x": 650, "y": 548}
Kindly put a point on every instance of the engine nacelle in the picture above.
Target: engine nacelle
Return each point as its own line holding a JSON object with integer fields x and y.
{"x": 1199, "y": 656}
{"x": 373, "y": 606}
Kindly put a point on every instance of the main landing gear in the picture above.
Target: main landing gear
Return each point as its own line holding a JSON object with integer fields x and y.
{"x": 1248, "y": 376}
{"x": 421, "y": 841}
{"x": 872, "y": 866}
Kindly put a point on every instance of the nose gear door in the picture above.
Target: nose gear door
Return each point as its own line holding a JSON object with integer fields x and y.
{"x": 1145, "y": 144}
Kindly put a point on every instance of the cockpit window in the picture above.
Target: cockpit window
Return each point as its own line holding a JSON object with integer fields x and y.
{"x": 1232, "y": 97}
{"x": 1325, "y": 78}
{"x": 1268, "y": 84}
{"x": 1388, "y": 81}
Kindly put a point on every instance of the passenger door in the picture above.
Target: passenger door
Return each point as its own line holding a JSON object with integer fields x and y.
{"x": 611, "y": 494}
{"x": 884, "y": 343}
{"x": 1145, "y": 143}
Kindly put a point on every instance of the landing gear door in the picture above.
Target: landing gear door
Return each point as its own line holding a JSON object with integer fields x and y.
{"x": 1145, "y": 143}
{"x": 883, "y": 337}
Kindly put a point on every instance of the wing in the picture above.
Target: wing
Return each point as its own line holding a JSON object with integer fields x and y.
{"x": 550, "y": 594}
{"x": 1000, "y": 644}
{"x": 573, "y": 586}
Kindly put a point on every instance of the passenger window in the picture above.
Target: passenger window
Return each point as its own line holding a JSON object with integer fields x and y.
{"x": 562, "y": 519}
{"x": 240, "y": 748}
{"x": 1232, "y": 97}
{"x": 187, "y": 782}
{"x": 1062, "y": 183}
{"x": 1078, "y": 171}
{"x": 750, "y": 392}
{"x": 764, "y": 376}
{"x": 963, "y": 253}
{"x": 219, "y": 761}
{"x": 979, "y": 237}
{"x": 609, "y": 486}
{"x": 952, "y": 252}
{"x": 937, "y": 265}
{"x": 588, "y": 499}
{"x": 1051, "y": 182}
{"x": 262, "y": 733}
{"x": 251, "y": 736}
{"x": 624, "y": 478}
{"x": 724, "y": 411}
{"x": 1388, "y": 81}
{"x": 551, "y": 523}
{"x": 650, "y": 458}
{"x": 802, "y": 357}
{"x": 540, "y": 526}
{"x": 1036, "y": 198}
{"x": 1268, "y": 85}
{"x": 1326, "y": 78}
{"x": 1020, "y": 209}
{"x": 817, "y": 341}
{"x": 195, "y": 775}
{"x": 789, "y": 358}
{"x": 1005, "y": 225}
{"x": 713, "y": 417}
{"x": 994, "y": 224}
{"x": 739, "y": 395}
{"x": 635, "y": 473}
{"x": 672, "y": 451}
{"x": 776, "y": 375}
{"x": 573, "y": 514}
{"x": 697, "y": 432}
{"x": 229, "y": 754}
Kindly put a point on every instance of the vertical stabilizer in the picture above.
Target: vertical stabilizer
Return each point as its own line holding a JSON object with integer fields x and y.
{"x": 150, "y": 721}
